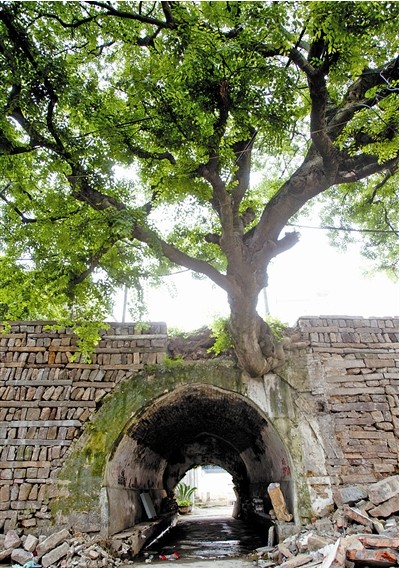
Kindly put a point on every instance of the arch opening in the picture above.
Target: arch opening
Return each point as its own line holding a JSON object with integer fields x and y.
{"x": 214, "y": 489}
{"x": 194, "y": 425}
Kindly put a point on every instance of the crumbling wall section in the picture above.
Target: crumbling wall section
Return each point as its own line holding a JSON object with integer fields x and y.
{"x": 352, "y": 367}
{"x": 46, "y": 397}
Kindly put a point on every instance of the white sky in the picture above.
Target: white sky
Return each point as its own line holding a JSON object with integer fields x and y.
{"x": 310, "y": 279}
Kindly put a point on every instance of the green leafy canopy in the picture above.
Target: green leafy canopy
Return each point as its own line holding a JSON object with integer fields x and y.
{"x": 130, "y": 132}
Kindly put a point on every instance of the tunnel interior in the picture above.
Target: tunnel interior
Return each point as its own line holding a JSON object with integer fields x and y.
{"x": 190, "y": 426}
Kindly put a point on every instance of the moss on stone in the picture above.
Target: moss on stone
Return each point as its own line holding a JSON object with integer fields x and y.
{"x": 83, "y": 471}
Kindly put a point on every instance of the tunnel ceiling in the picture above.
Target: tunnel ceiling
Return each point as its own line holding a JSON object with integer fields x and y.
{"x": 189, "y": 414}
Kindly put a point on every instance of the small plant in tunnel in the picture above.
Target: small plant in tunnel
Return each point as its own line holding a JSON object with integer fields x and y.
{"x": 184, "y": 494}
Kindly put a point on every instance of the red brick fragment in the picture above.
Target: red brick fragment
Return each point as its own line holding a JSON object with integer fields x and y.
{"x": 379, "y": 542}
{"x": 374, "y": 557}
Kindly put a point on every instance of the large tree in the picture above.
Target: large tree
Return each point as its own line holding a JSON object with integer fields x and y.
{"x": 129, "y": 132}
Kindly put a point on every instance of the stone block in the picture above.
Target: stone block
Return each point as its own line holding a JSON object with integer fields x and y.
{"x": 379, "y": 541}
{"x": 5, "y": 493}
{"x": 336, "y": 558}
{"x": 285, "y": 530}
{"x": 384, "y": 489}
{"x": 352, "y": 493}
{"x": 12, "y": 540}
{"x": 51, "y": 542}
{"x": 6, "y": 553}
{"x": 28, "y": 523}
{"x": 315, "y": 542}
{"x": 386, "y": 508}
{"x": 54, "y": 555}
{"x": 298, "y": 560}
{"x": 357, "y": 516}
{"x": 21, "y": 556}
{"x": 278, "y": 502}
{"x": 24, "y": 491}
{"x": 31, "y": 542}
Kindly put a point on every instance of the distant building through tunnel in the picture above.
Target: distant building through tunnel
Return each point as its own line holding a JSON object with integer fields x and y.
{"x": 214, "y": 486}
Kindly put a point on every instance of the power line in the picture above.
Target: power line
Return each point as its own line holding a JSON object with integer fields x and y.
{"x": 348, "y": 229}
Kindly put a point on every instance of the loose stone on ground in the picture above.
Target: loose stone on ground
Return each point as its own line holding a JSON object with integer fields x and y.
{"x": 348, "y": 538}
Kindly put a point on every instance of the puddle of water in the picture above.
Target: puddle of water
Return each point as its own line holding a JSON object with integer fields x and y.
{"x": 208, "y": 538}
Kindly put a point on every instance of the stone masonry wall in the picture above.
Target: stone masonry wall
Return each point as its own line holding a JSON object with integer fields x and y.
{"x": 353, "y": 368}
{"x": 46, "y": 398}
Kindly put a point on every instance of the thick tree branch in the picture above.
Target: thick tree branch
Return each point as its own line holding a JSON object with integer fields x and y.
{"x": 323, "y": 166}
{"x": 243, "y": 164}
{"x": 82, "y": 190}
{"x": 74, "y": 24}
{"x": 231, "y": 241}
{"x": 286, "y": 243}
{"x": 18, "y": 211}
{"x": 308, "y": 181}
{"x": 210, "y": 173}
{"x": 93, "y": 264}
{"x": 180, "y": 258}
{"x": 301, "y": 62}
{"x": 318, "y": 123}
{"x": 359, "y": 167}
{"x": 388, "y": 174}
{"x": 355, "y": 99}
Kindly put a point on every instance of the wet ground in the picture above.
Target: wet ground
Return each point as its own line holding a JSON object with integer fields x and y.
{"x": 205, "y": 537}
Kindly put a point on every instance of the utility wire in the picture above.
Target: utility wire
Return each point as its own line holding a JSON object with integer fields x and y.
{"x": 348, "y": 229}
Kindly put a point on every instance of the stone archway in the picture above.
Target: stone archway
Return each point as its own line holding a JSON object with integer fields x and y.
{"x": 192, "y": 425}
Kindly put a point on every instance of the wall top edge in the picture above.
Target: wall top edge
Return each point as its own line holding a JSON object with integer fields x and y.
{"x": 349, "y": 317}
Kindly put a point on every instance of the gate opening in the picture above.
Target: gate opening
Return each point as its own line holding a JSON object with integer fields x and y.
{"x": 214, "y": 491}
{"x": 194, "y": 425}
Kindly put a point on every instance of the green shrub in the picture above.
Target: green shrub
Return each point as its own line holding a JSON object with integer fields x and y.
{"x": 276, "y": 326}
{"x": 183, "y": 494}
{"x": 220, "y": 331}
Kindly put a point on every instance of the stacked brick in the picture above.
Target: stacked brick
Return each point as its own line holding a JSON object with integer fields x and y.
{"x": 47, "y": 395}
{"x": 356, "y": 361}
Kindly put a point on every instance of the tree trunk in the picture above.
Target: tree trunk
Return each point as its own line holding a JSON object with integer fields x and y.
{"x": 255, "y": 346}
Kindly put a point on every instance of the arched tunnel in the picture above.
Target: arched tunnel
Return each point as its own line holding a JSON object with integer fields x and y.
{"x": 195, "y": 424}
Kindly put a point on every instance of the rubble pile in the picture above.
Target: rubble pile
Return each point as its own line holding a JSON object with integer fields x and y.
{"x": 344, "y": 544}
{"x": 362, "y": 532}
{"x": 61, "y": 549}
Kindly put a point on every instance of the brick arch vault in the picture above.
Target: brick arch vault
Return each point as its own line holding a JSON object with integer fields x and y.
{"x": 194, "y": 424}
{"x": 161, "y": 422}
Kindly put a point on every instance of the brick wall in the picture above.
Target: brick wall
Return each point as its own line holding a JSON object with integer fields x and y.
{"x": 354, "y": 363}
{"x": 45, "y": 399}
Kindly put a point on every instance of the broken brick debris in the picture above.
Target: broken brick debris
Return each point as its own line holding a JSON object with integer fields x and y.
{"x": 337, "y": 550}
{"x": 347, "y": 538}
{"x": 377, "y": 557}
{"x": 63, "y": 550}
